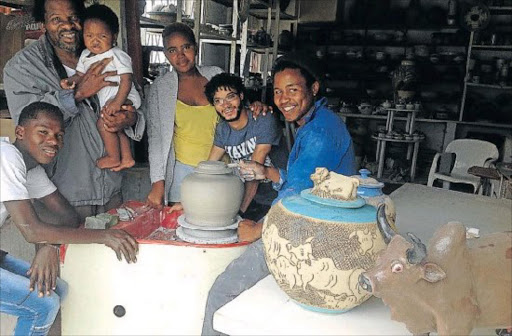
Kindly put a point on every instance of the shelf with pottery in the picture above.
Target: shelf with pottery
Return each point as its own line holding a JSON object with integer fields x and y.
{"x": 480, "y": 49}
{"x": 425, "y": 120}
{"x": 369, "y": 61}
{"x": 484, "y": 124}
{"x": 491, "y": 47}
{"x": 383, "y": 117}
{"x": 216, "y": 38}
{"x": 397, "y": 140}
{"x": 500, "y": 8}
{"x": 489, "y": 86}
{"x": 259, "y": 9}
{"x": 412, "y": 145}
{"x": 383, "y": 27}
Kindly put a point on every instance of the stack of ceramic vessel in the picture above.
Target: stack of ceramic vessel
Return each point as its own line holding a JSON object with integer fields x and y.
{"x": 211, "y": 198}
{"x": 317, "y": 245}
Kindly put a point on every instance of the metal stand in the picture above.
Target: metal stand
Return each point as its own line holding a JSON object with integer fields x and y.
{"x": 412, "y": 145}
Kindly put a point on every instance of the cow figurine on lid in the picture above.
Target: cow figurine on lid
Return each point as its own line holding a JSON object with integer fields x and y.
{"x": 450, "y": 287}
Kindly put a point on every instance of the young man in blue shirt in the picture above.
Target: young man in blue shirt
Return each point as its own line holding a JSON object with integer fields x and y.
{"x": 322, "y": 140}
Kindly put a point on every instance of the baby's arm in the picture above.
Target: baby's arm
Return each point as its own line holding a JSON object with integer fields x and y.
{"x": 70, "y": 82}
{"x": 125, "y": 86}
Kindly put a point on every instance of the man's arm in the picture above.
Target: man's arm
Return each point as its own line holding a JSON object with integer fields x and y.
{"x": 216, "y": 153}
{"x": 43, "y": 270}
{"x": 58, "y": 211}
{"x": 28, "y": 83}
{"x": 318, "y": 150}
{"x": 36, "y": 231}
{"x": 260, "y": 153}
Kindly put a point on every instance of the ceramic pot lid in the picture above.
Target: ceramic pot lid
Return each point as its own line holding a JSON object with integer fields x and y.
{"x": 366, "y": 181}
{"x": 212, "y": 168}
{"x": 358, "y": 213}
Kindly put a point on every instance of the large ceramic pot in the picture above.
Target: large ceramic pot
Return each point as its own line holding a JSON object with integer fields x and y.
{"x": 317, "y": 247}
{"x": 211, "y": 195}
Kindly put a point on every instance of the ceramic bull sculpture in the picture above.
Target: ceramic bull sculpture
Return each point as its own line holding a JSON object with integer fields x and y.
{"x": 450, "y": 287}
{"x": 332, "y": 185}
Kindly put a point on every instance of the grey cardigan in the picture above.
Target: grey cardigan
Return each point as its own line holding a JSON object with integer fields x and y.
{"x": 160, "y": 113}
{"x": 34, "y": 74}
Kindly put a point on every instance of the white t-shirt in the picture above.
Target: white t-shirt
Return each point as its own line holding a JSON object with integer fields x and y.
{"x": 16, "y": 183}
{"x": 121, "y": 62}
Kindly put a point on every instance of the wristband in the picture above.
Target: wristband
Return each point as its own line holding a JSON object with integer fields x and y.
{"x": 55, "y": 246}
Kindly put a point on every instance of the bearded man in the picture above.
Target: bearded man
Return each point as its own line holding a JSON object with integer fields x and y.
{"x": 244, "y": 137}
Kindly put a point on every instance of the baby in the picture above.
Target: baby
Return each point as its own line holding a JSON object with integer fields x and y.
{"x": 101, "y": 27}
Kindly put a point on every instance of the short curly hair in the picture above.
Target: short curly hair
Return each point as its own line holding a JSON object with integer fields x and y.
{"x": 104, "y": 14}
{"x": 308, "y": 66}
{"x": 223, "y": 80}
{"x": 39, "y": 10}
{"x": 33, "y": 110}
{"x": 179, "y": 28}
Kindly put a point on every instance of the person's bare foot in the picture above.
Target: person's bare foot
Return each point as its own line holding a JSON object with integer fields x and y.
{"x": 124, "y": 164}
{"x": 107, "y": 162}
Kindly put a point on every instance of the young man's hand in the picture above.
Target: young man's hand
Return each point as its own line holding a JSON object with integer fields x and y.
{"x": 258, "y": 108}
{"x": 251, "y": 170}
{"x": 249, "y": 231}
{"x": 122, "y": 243}
{"x": 44, "y": 270}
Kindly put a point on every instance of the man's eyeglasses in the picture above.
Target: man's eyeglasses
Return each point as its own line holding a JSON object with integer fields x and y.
{"x": 229, "y": 98}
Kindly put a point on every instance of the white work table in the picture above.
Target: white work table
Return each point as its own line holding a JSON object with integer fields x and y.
{"x": 266, "y": 310}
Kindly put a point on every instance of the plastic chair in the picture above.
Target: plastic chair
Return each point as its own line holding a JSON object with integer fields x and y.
{"x": 468, "y": 153}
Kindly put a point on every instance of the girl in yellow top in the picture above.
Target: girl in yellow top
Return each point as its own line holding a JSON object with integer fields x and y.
{"x": 180, "y": 121}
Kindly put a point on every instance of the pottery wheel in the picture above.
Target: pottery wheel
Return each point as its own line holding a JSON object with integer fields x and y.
{"x": 202, "y": 240}
{"x": 207, "y": 235}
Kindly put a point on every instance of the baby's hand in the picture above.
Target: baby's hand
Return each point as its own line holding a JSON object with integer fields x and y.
{"x": 111, "y": 108}
{"x": 67, "y": 84}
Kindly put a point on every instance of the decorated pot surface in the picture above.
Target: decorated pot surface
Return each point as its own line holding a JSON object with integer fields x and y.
{"x": 316, "y": 252}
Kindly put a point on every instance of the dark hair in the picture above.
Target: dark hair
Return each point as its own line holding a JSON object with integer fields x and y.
{"x": 179, "y": 28}
{"x": 223, "y": 80}
{"x": 38, "y": 11}
{"x": 104, "y": 14}
{"x": 32, "y": 111}
{"x": 309, "y": 67}
{"x": 280, "y": 66}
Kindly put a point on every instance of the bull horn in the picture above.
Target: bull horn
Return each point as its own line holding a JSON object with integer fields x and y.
{"x": 418, "y": 252}
{"x": 382, "y": 222}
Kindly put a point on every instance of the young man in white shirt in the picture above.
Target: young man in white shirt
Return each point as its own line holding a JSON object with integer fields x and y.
{"x": 39, "y": 137}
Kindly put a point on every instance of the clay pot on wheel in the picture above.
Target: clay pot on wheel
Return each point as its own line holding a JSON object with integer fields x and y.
{"x": 211, "y": 195}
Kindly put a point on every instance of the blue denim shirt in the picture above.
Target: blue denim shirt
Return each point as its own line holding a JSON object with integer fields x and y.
{"x": 323, "y": 141}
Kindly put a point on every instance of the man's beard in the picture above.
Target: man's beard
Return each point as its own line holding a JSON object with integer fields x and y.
{"x": 238, "y": 114}
{"x": 70, "y": 47}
